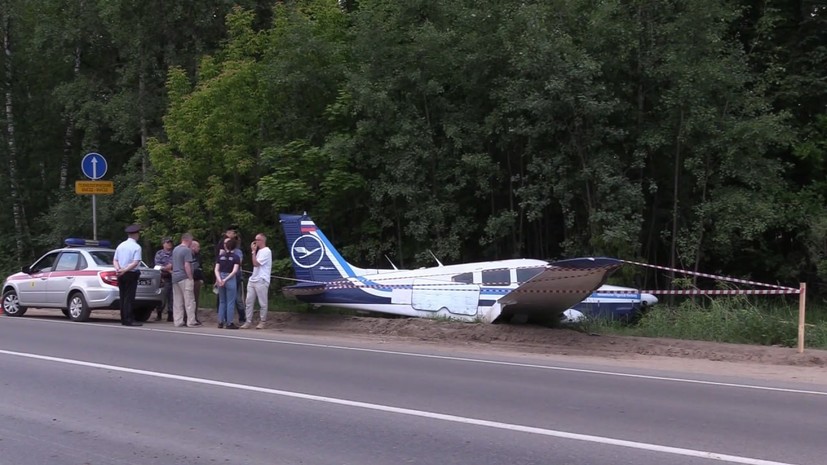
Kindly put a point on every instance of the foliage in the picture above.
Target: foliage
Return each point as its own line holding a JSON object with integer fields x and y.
{"x": 690, "y": 134}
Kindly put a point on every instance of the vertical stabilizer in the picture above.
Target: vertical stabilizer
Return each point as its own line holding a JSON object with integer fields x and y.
{"x": 313, "y": 257}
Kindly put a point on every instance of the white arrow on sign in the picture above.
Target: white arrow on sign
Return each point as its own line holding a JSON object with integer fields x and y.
{"x": 93, "y": 166}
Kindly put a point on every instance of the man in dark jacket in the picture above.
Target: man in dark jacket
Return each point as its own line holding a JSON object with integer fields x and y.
{"x": 163, "y": 261}
{"x": 197, "y": 274}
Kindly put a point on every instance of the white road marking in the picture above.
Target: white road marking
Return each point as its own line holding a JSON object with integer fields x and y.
{"x": 417, "y": 413}
{"x": 496, "y": 362}
{"x": 515, "y": 364}
{"x": 190, "y": 332}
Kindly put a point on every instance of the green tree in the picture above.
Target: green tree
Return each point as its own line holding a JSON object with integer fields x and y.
{"x": 243, "y": 142}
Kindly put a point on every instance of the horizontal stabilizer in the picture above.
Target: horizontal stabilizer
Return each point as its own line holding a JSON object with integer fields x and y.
{"x": 304, "y": 289}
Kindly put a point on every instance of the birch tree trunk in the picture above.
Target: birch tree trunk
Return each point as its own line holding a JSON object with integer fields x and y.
{"x": 675, "y": 202}
{"x": 144, "y": 129}
{"x": 19, "y": 214}
{"x": 70, "y": 130}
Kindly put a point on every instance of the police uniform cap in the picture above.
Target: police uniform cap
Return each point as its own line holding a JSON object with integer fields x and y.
{"x": 132, "y": 229}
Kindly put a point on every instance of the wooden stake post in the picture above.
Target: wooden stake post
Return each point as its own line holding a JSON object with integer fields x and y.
{"x": 802, "y": 299}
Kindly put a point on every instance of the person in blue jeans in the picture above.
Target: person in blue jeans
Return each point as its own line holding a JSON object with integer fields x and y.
{"x": 227, "y": 267}
{"x": 232, "y": 233}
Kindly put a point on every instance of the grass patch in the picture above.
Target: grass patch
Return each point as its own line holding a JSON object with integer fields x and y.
{"x": 726, "y": 319}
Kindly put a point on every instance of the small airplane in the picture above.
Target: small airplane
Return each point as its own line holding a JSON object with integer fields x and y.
{"x": 515, "y": 290}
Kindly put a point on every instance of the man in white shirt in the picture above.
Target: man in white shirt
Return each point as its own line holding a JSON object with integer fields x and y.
{"x": 126, "y": 261}
{"x": 259, "y": 283}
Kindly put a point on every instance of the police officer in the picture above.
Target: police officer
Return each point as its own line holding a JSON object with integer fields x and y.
{"x": 127, "y": 259}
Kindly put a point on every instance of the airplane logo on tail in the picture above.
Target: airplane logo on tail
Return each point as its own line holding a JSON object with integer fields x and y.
{"x": 307, "y": 251}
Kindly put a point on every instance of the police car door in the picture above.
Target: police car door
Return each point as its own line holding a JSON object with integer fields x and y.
{"x": 63, "y": 276}
{"x": 32, "y": 290}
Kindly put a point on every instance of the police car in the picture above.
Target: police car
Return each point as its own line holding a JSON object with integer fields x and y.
{"x": 77, "y": 279}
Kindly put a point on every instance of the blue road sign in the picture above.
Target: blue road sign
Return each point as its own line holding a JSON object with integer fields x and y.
{"x": 93, "y": 165}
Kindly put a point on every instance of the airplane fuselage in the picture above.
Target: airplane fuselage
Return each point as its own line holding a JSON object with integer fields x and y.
{"x": 470, "y": 292}
{"x": 481, "y": 291}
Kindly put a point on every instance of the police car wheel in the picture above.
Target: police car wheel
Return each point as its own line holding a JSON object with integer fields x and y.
{"x": 65, "y": 312}
{"x": 11, "y": 304}
{"x": 78, "y": 309}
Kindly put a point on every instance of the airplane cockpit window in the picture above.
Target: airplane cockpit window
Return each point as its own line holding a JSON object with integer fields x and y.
{"x": 525, "y": 274}
{"x": 467, "y": 278}
{"x": 498, "y": 277}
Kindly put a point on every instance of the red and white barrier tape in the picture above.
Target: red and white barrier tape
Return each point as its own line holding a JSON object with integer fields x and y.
{"x": 725, "y": 291}
{"x": 379, "y": 278}
{"x": 446, "y": 286}
{"x": 706, "y": 275}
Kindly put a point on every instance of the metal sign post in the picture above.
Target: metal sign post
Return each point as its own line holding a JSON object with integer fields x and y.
{"x": 94, "y": 217}
{"x": 94, "y": 167}
{"x": 802, "y": 320}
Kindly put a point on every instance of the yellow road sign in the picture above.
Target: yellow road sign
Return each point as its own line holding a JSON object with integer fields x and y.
{"x": 94, "y": 187}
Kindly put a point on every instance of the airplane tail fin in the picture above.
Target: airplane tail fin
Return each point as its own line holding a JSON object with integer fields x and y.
{"x": 313, "y": 257}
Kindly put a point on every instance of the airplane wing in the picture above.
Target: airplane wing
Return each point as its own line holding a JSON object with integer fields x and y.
{"x": 560, "y": 286}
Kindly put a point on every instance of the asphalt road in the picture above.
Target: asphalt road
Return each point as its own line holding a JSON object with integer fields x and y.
{"x": 99, "y": 393}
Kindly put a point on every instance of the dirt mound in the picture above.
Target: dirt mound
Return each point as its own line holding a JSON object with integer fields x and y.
{"x": 536, "y": 339}
{"x": 515, "y": 338}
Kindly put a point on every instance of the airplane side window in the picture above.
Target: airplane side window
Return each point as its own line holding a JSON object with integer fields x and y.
{"x": 525, "y": 274}
{"x": 467, "y": 278}
{"x": 500, "y": 277}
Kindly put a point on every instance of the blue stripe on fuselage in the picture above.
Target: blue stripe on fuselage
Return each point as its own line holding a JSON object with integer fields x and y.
{"x": 344, "y": 296}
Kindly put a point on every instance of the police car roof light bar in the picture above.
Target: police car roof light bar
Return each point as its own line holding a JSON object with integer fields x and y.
{"x": 78, "y": 242}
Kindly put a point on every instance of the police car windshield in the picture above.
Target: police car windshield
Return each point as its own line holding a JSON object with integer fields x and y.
{"x": 103, "y": 257}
